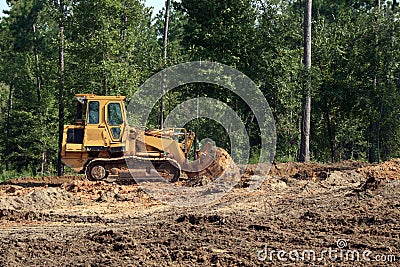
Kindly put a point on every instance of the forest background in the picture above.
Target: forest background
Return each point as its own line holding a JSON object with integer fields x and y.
{"x": 111, "y": 47}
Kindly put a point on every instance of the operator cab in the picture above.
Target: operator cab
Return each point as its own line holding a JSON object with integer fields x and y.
{"x": 98, "y": 130}
{"x": 101, "y": 118}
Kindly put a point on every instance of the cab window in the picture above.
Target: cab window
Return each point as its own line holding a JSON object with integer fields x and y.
{"x": 93, "y": 111}
{"x": 114, "y": 114}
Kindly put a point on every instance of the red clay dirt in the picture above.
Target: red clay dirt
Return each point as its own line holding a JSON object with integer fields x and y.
{"x": 348, "y": 207}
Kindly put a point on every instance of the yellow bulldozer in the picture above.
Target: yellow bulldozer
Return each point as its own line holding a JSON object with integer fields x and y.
{"x": 103, "y": 146}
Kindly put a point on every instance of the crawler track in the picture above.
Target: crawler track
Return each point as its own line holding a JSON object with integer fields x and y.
{"x": 132, "y": 167}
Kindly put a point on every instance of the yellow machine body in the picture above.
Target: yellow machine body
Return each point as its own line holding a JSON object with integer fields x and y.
{"x": 101, "y": 137}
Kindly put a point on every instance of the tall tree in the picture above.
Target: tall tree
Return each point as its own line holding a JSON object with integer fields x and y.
{"x": 306, "y": 117}
{"x": 61, "y": 85}
{"x": 165, "y": 44}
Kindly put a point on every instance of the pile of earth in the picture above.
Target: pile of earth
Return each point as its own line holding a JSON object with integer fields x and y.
{"x": 376, "y": 175}
{"x": 105, "y": 192}
{"x": 388, "y": 170}
{"x": 340, "y": 173}
{"x": 313, "y": 170}
{"x": 42, "y": 199}
{"x": 222, "y": 167}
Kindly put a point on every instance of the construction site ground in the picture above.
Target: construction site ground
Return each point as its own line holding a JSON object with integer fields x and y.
{"x": 342, "y": 214}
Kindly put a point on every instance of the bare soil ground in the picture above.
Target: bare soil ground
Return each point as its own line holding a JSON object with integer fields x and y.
{"x": 347, "y": 213}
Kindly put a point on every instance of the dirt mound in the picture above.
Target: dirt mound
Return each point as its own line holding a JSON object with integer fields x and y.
{"x": 296, "y": 169}
{"x": 48, "y": 198}
{"x": 376, "y": 175}
{"x": 339, "y": 178}
{"x": 223, "y": 167}
{"x": 273, "y": 183}
{"x": 90, "y": 190}
{"x": 313, "y": 170}
{"x": 14, "y": 190}
{"x": 388, "y": 170}
{"x": 104, "y": 192}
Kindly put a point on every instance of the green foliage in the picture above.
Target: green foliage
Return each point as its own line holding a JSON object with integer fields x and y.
{"x": 114, "y": 46}
{"x": 356, "y": 57}
{"x": 177, "y": 53}
{"x": 8, "y": 175}
{"x": 220, "y": 31}
{"x": 279, "y": 71}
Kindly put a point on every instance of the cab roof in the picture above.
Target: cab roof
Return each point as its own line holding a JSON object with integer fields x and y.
{"x": 98, "y": 97}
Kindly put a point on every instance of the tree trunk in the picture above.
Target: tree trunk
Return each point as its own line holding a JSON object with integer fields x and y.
{"x": 38, "y": 78}
{"x": 123, "y": 31}
{"x": 377, "y": 125}
{"x": 9, "y": 124}
{"x": 165, "y": 41}
{"x": 306, "y": 113}
{"x": 330, "y": 135}
{"x": 38, "y": 93}
{"x": 371, "y": 142}
{"x": 10, "y": 104}
{"x": 105, "y": 83}
{"x": 166, "y": 26}
{"x": 60, "y": 167}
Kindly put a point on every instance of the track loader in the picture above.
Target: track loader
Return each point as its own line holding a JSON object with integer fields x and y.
{"x": 103, "y": 146}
